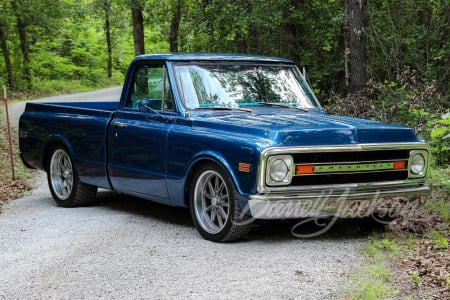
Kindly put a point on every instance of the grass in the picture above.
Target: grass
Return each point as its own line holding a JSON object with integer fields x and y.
{"x": 439, "y": 241}
{"x": 440, "y": 204}
{"x": 381, "y": 245}
{"x": 372, "y": 280}
{"x": 385, "y": 252}
{"x": 415, "y": 277}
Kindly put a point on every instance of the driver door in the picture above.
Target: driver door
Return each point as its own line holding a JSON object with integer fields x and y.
{"x": 137, "y": 137}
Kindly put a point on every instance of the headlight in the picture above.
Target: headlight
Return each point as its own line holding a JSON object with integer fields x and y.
{"x": 279, "y": 170}
{"x": 417, "y": 164}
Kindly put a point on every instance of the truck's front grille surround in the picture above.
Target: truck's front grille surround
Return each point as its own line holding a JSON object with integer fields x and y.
{"x": 350, "y": 154}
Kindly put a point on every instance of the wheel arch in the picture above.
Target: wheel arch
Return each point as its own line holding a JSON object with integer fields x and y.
{"x": 51, "y": 142}
{"x": 204, "y": 158}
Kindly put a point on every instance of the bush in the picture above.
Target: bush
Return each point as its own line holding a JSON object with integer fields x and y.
{"x": 440, "y": 139}
{"x": 55, "y": 87}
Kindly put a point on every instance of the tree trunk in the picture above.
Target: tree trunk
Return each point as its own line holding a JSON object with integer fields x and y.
{"x": 107, "y": 8}
{"x": 138, "y": 28}
{"x": 174, "y": 26}
{"x": 292, "y": 32}
{"x": 24, "y": 45}
{"x": 355, "y": 44}
{"x": 241, "y": 43}
{"x": 4, "y": 45}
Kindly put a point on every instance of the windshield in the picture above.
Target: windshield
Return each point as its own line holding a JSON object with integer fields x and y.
{"x": 243, "y": 85}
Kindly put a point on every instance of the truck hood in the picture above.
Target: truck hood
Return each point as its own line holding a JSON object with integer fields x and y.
{"x": 296, "y": 128}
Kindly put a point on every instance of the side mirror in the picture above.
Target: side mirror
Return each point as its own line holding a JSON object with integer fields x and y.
{"x": 144, "y": 105}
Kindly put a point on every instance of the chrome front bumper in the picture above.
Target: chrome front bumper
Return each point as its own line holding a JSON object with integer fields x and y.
{"x": 349, "y": 201}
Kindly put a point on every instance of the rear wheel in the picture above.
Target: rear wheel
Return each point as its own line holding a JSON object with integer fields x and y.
{"x": 214, "y": 206}
{"x": 64, "y": 183}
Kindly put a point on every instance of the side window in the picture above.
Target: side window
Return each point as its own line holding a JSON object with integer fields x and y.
{"x": 150, "y": 83}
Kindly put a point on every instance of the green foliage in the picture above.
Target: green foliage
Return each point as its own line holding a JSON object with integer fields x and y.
{"x": 441, "y": 207}
{"x": 416, "y": 279}
{"x": 67, "y": 45}
{"x": 440, "y": 139}
{"x": 412, "y": 33}
{"x": 54, "y": 87}
{"x": 381, "y": 244}
{"x": 440, "y": 177}
{"x": 372, "y": 280}
{"x": 373, "y": 288}
{"x": 440, "y": 242}
{"x": 440, "y": 201}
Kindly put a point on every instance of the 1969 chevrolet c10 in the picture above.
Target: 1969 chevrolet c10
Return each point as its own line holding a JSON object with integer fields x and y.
{"x": 233, "y": 137}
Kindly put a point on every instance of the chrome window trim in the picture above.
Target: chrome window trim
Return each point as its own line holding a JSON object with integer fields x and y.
{"x": 263, "y": 188}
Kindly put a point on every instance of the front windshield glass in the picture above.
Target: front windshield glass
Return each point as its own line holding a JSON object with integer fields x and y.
{"x": 243, "y": 85}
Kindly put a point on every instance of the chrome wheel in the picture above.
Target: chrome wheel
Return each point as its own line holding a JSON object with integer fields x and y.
{"x": 211, "y": 201}
{"x": 61, "y": 174}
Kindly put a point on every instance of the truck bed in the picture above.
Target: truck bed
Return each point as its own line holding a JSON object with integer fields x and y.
{"x": 83, "y": 125}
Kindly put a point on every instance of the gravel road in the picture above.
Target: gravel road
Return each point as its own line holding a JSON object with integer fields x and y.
{"x": 126, "y": 248}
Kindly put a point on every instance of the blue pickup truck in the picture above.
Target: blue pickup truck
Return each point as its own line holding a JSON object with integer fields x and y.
{"x": 234, "y": 138}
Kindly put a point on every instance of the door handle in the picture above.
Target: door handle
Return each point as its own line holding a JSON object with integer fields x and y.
{"x": 119, "y": 124}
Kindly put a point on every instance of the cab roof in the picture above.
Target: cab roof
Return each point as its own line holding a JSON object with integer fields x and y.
{"x": 211, "y": 57}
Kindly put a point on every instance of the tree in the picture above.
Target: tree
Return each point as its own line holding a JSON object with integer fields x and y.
{"x": 107, "y": 14}
{"x": 175, "y": 25}
{"x": 292, "y": 29}
{"x": 138, "y": 26}
{"x": 355, "y": 44}
{"x": 5, "y": 49}
{"x": 22, "y": 26}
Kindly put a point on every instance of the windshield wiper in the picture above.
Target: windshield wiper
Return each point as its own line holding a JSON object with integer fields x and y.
{"x": 224, "y": 108}
{"x": 283, "y": 105}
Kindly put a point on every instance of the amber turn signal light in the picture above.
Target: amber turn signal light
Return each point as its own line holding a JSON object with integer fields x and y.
{"x": 304, "y": 169}
{"x": 399, "y": 165}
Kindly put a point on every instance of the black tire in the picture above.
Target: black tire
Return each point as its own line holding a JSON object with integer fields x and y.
{"x": 63, "y": 180}
{"x": 214, "y": 206}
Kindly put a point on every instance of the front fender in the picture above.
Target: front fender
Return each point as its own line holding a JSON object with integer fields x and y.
{"x": 218, "y": 159}
{"x": 178, "y": 187}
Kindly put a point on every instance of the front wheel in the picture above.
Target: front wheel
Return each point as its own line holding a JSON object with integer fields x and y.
{"x": 64, "y": 183}
{"x": 214, "y": 206}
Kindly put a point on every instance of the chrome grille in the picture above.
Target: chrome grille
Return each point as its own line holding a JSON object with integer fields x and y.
{"x": 339, "y": 158}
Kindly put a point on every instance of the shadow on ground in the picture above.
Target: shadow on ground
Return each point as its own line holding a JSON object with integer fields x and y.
{"x": 323, "y": 229}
